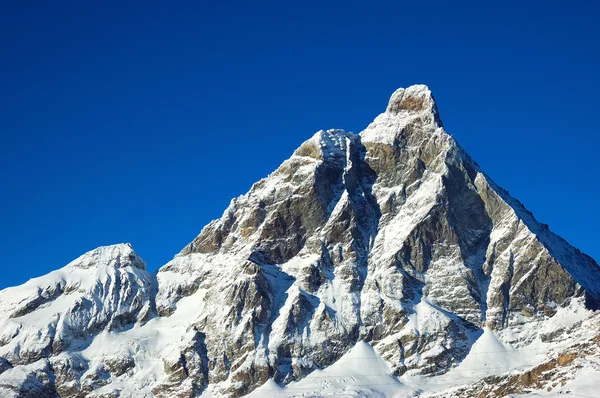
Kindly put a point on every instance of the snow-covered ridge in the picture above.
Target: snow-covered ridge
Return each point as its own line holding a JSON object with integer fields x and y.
{"x": 81, "y": 274}
{"x": 105, "y": 289}
{"x": 388, "y": 250}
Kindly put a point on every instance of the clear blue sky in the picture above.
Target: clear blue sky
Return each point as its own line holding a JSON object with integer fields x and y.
{"x": 138, "y": 123}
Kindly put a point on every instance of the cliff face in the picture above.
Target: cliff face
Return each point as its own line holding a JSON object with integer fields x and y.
{"x": 394, "y": 237}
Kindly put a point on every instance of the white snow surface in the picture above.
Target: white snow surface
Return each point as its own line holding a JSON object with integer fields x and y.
{"x": 359, "y": 373}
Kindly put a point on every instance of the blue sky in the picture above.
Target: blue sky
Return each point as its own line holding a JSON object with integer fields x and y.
{"x": 139, "y": 122}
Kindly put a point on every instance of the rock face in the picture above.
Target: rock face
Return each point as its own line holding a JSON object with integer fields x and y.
{"x": 393, "y": 236}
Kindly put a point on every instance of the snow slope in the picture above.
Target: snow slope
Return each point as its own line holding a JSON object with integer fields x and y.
{"x": 360, "y": 372}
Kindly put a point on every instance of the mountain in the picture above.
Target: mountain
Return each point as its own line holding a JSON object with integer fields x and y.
{"x": 371, "y": 264}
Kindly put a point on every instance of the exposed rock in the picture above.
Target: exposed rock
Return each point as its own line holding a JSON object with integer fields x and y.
{"x": 4, "y": 365}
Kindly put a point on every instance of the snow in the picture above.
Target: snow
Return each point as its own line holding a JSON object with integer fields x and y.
{"x": 359, "y": 373}
{"x": 489, "y": 356}
{"x": 47, "y": 305}
{"x": 148, "y": 345}
{"x": 391, "y": 238}
{"x": 426, "y": 318}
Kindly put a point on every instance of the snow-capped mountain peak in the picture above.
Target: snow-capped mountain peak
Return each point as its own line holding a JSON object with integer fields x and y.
{"x": 117, "y": 256}
{"x": 390, "y": 246}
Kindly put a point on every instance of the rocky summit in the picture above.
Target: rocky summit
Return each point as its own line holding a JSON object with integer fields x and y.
{"x": 385, "y": 263}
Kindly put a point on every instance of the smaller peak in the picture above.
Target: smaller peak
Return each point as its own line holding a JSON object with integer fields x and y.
{"x": 117, "y": 249}
{"x": 117, "y": 256}
{"x": 413, "y": 100}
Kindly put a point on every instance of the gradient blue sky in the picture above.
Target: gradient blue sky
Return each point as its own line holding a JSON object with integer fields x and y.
{"x": 139, "y": 122}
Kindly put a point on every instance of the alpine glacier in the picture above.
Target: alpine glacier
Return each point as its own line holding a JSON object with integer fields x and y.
{"x": 385, "y": 263}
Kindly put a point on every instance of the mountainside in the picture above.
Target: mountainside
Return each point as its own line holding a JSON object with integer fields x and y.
{"x": 368, "y": 264}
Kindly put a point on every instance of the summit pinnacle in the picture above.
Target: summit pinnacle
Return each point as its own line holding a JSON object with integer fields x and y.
{"x": 416, "y": 99}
